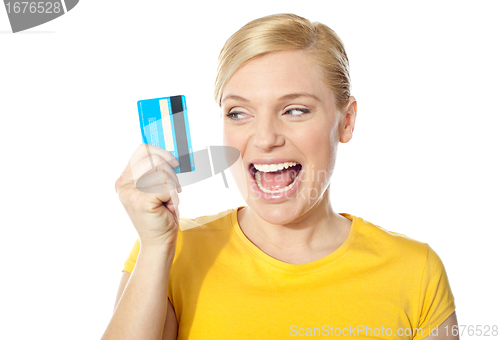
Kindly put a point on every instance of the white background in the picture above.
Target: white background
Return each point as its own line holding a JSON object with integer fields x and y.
{"x": 423, "y": 160}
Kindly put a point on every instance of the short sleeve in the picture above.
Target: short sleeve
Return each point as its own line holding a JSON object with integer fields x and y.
{"x": 436, "y": 299}
{"x": 132, "y": 257}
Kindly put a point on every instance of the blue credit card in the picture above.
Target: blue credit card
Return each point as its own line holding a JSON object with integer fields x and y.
{"x": 164, "y": 123}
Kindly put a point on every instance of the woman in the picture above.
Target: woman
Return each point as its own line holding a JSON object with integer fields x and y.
{"x": 285, "y": 265}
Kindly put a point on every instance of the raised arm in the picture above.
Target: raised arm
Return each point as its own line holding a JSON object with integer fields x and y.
{"x": 141, "y": 310}
{"x": 148, "y": 190}
{"x": 170, "y": 327}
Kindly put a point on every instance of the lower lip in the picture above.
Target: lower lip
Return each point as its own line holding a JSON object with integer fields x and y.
{"x": 275, "y": 196}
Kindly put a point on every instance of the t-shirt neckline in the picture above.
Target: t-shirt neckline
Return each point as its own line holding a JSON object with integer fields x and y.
{"x": 289, "y": 266}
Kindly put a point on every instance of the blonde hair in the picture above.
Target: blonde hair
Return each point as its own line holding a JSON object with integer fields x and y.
{"x": 281, "y": 32}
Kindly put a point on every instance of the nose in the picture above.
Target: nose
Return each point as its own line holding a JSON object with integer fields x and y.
{"x": 267, "y": 134}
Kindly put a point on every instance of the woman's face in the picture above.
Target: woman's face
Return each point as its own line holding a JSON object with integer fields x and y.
{"x": 277, "y": 109}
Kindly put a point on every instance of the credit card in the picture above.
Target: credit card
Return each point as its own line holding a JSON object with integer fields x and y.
{"x": 164, "y": 123}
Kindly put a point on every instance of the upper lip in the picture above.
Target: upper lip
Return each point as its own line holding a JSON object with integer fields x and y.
{"x": 271, "y": 161}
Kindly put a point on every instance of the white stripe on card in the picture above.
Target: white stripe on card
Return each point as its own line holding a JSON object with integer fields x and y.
{"x": 167, "y": 125}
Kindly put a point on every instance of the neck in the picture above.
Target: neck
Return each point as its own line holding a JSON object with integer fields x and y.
{"x": 314, "y": 230}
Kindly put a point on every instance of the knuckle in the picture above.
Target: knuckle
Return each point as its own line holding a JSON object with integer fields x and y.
{"x": 122, "y": 195}
{"x": 134, "y": 197}
{"x": 173, "y": 196}
{"x": 117, "y": 184}
{"x": 135, "y": 201}
{"x": 140, "y": 148}
{"x": 158, "y": 160}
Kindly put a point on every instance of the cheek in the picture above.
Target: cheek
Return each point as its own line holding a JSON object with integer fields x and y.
{"x": 234, "y": 139}
{"x": 231, "y": 138}
{"x": 237, "y": 170}
{"x": 319, "y": 149}
{"x": 317, "y": 143}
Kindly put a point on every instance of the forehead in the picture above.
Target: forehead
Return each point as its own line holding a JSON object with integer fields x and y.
{"x": 277, "y": 74}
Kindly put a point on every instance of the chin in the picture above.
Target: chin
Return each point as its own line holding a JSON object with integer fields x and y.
{"x": 280, "y": 214}
{"x": 291, "y": 210}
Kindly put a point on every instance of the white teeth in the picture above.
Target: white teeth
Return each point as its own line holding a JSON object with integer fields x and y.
{"x": 271, "y": 168}
{"x": 274, "y": 167}
{"x": 288, "y": 187}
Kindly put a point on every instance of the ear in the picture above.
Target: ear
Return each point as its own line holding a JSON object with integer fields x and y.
{"x": 345, "y": 132}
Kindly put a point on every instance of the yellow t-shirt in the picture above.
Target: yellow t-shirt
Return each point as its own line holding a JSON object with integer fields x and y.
{"x": 378, "y": 284}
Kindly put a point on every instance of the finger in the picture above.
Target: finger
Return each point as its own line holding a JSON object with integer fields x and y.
{"x": 147, "y": 165}
{"x": 172, "y": 175}
{"x": 147, "y": 179}
{"x": 153, "y": 178}
{"x": 155, "y": 195}
{"x": 145, "y": 151}
{"x": 173, "y": 204}
{"x": 142, "y": 154}
{"x": 157, "y": 189}
{"x": 157, "y": 182}
{"x": 121, "y": 180}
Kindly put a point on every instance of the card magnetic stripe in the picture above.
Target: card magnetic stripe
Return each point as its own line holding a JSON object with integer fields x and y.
{"x": 190, "y": 148}
{"x": 177, "y": 105}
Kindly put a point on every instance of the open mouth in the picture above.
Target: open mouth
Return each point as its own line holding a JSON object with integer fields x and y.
{"x": 275, "y": 178}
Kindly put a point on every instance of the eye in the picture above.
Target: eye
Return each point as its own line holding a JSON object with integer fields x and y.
{"x": 235, "y": 115}
{"x": 297, "y": 112}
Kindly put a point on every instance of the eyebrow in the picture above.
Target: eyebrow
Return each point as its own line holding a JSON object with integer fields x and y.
{"x": 235, "y": 97}
{"x": 285, "y": 97}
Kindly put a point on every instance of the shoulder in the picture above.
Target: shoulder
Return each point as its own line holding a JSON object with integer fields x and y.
{"x": 412, "y": 264}
{"x": 375, "y": 239}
